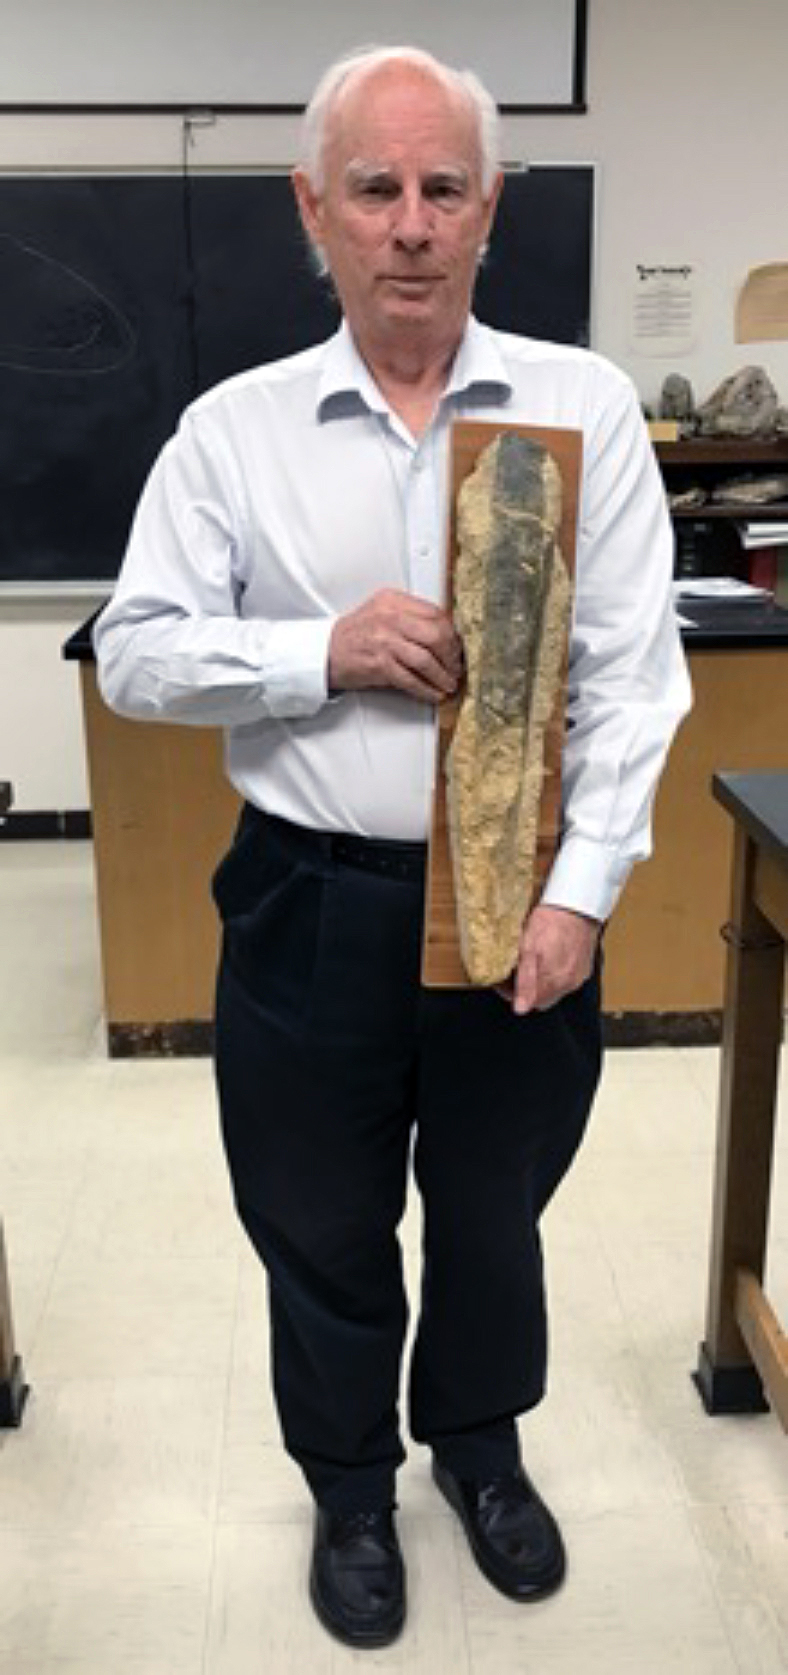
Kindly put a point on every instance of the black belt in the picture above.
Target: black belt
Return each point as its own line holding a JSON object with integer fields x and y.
{"x": 386, "y": 857}
{"x": 390, "y": 858}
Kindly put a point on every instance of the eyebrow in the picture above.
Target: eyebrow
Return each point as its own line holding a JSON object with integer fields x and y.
{"x": 359, "y": 173}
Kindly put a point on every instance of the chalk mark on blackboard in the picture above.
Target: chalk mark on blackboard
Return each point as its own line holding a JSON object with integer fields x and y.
{"x": 62, "y": 323}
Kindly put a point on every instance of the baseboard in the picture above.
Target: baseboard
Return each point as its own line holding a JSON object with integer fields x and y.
{"x": 183, "y": 1038}
{"x": 662, "y": 1029}
{"x": 193, "y": 1037}
{"x": 45, "y": 823}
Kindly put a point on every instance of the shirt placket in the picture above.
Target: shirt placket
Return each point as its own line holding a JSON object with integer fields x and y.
{"x": 422, "y": 523}
{"x": 424, "y": 539}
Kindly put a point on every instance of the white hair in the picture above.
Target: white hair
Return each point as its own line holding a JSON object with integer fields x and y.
{"x": 361, "y": 63}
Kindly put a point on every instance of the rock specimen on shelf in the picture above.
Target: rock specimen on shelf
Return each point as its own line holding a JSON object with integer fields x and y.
{"x": 685, "y": 500}
{"x": 743, "y": 405}
{"x": 752, "y": 490}
{"x": 512, "y": 596}
{"x": 678, "y": 402}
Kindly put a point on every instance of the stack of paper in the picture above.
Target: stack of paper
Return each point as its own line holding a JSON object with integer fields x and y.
{"x": 726, "y": 588}
{"x": 753, "y": 535}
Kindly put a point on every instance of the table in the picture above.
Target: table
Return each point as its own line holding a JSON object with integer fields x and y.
{"x": 12, "y": 1386}
{"x": 745, "y": 1348}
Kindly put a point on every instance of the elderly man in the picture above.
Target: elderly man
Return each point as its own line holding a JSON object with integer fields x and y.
{"x": 283, "y": 580}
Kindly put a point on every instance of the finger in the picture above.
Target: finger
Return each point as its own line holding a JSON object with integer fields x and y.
{"x": 439, "y": 641}
{"x": 427, "y": 668}
{"x": 409, "y": 607}
{"x": 394, "y": 599}
{"x": 526, "y": 982}
{"x": 549, "y": 996}
{"x": 402, "y": 678}
{"x": 414, "y": 617}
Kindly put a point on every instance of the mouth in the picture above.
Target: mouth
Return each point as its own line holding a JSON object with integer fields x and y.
{"x": 413, "y": 281}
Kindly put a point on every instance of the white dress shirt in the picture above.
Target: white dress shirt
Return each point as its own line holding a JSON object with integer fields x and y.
{"x": 292, "y": 493}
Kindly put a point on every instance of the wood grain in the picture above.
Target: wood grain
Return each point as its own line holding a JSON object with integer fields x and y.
{"x": 442, "y": 965}
{"x": 163, "y": 815}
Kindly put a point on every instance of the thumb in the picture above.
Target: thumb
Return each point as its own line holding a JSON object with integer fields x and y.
{"x": 525, "y": 981}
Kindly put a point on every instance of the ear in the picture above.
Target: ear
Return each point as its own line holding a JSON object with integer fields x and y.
{"x": 491, "y": 203}
{"x": 310, "y": 206}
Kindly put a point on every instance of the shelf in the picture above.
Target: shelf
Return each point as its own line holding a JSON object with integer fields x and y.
{"x": 709, "y": 452}
{"x": 775, "y": 512}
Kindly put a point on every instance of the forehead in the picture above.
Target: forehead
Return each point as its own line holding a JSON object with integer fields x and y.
{"x": 399, "y": 114}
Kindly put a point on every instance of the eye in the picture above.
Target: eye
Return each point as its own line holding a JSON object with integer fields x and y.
{"x": 445, "y": 190}
{"x": 379, "y": 189}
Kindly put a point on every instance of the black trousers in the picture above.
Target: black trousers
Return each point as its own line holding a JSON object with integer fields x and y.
{"x": 332, "y": 1063}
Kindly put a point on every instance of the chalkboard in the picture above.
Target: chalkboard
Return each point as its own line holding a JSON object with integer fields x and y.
{"x": 122, "y": 297}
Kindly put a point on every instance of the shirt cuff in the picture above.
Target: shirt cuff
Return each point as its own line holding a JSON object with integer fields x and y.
{"x": 295, "y": 664}
{"x": 586, "y": 877}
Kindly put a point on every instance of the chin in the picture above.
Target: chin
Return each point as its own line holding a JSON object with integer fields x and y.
{"x": 413, "y": 308}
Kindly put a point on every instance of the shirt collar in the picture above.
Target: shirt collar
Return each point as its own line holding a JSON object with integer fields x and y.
{"x": 346, "y": 384}
{"x": 479, "y": 368}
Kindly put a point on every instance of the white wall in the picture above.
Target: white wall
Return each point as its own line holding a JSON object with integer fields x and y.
{"x": 41, "y": 747}
{"x": 688, "y": 120}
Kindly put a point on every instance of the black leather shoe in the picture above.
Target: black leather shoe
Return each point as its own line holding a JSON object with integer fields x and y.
{"x": 357, "y": 1580}
{"x": 514, "y": 1538}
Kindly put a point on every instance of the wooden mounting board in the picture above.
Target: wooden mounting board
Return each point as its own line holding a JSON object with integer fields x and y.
{"x": 442, "y": 965}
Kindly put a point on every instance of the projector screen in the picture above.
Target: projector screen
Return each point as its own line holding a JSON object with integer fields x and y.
{"x": 260, "y": 53}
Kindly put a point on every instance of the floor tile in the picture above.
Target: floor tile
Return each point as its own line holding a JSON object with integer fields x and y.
{"x": 637, "y": 1599}
{"x": 134, "y": 1594}
{"x": 261, "y": 1618}
{"x": 747, "y": 1556}
{"x": 94, "y": 1454}
{"x": 730, "y": 1459}
{"x": 171, "y": 1317}
{"x": 643, "y": 1116}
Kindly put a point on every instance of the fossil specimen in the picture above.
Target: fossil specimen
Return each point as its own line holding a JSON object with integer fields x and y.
{"x": 752, "y": 490}
{"x": 512, "y": 598}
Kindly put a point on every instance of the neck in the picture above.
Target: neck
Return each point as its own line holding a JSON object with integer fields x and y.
{"x": 412, "y": 375}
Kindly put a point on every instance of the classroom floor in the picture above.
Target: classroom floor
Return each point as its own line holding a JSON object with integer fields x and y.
{"x": 149, "y": 1522}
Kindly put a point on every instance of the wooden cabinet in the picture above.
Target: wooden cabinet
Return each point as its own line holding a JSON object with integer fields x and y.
{"x": 163, "y": 813}
{"x": 665, "y": 955}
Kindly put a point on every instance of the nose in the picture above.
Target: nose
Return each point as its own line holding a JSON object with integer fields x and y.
{"x": 413, "y": 226}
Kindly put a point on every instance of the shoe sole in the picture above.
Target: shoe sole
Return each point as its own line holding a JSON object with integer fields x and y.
{"x": 531, "y": 1591}
{"x": 341, "y": 1631}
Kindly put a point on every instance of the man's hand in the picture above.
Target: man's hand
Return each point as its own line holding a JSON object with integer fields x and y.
{"x": 395, "y": 640}
{"x": 557, "y": 949}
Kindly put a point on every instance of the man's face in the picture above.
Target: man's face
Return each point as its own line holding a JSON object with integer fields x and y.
{"x": 401, "y": 217}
